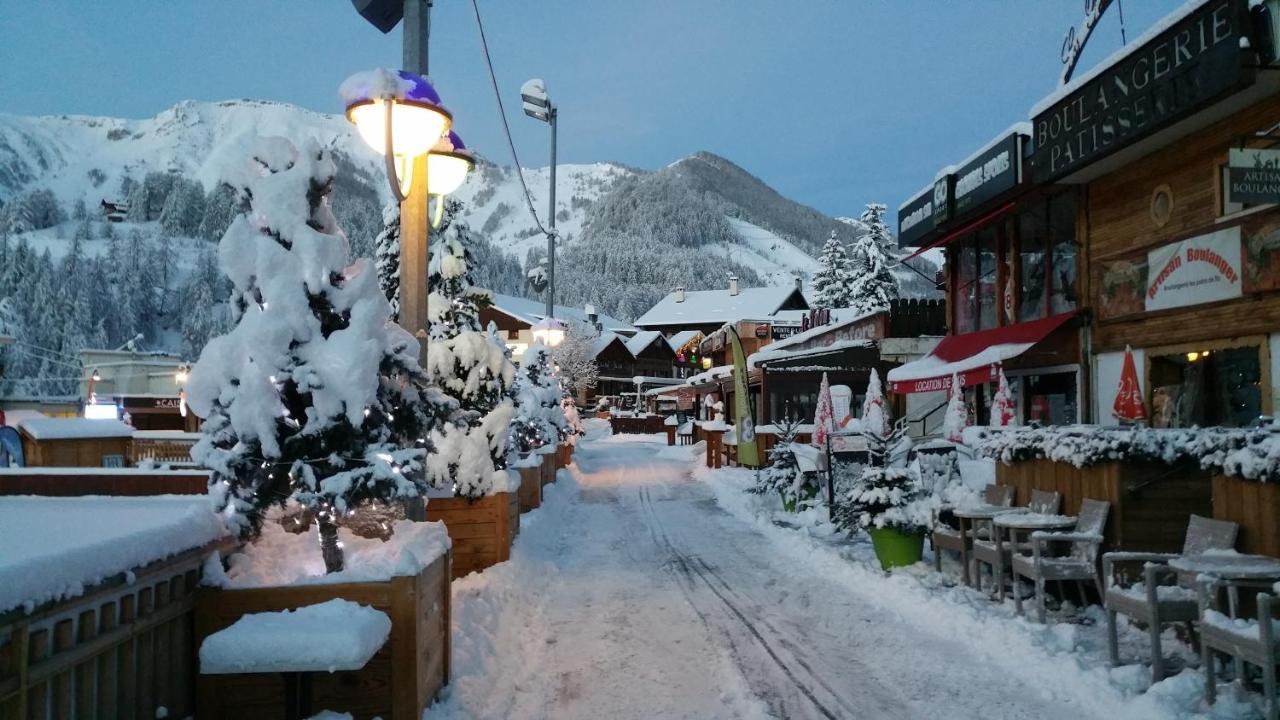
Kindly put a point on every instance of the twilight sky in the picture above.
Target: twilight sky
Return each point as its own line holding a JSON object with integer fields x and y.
{"x": 835, "y": 103}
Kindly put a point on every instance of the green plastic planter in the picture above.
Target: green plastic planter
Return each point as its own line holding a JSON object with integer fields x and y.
{"x": 895, "y": 548}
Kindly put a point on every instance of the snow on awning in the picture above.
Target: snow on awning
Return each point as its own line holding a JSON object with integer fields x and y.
{"x": 973, "y": 357}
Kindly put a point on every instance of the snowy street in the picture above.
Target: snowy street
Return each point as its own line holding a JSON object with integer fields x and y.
{"x": 651, "y": 601}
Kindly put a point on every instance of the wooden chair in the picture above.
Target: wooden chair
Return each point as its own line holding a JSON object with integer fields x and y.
{"x": 1256, "y": 642}
{"x": 1080, "y": 565}
{"x": 1157, "y": 604}
{"x": 946, "y": 536}
{"x": 985, "y": 550}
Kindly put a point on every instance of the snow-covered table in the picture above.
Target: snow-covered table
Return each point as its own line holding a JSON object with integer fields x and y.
{"x": 1232, "y": 570}
{"x": 967, "y": 520}
{"x": 326, "y": 637}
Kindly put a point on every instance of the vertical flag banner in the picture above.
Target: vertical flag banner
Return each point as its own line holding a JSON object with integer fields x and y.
{"x": 748, "y": 451}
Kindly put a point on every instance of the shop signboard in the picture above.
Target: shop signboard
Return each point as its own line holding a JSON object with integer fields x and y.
{"x": 915, "y": 219}
{"x": 781, "y": 332}
{"x": 1253, "y": 176}
{"x": 992, "y": 173}
{"x": 943, "y": 193}
{"x": 1192, "y": 63}
{"x": 1201, "y": 269}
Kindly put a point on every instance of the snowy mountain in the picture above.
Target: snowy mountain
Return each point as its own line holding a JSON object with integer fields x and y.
{"x": 628, "y": 235}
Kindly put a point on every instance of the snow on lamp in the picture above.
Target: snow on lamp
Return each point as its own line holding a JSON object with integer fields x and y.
{"x": 447, "y": 166}
{"x": 549, "y": 332}
{"x": 399, "y": 114}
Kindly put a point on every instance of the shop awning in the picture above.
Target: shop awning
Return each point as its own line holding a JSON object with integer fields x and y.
{"x": 973, "y": 357}
{"x": 962, "y": 230}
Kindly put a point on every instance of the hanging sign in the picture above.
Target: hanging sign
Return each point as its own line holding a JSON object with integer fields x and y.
{"x": 1253, "y": 176}
{"x": 1197, "y": 270}
{"x": 1074, "y": 42}
{"x": 1189, "y": 65}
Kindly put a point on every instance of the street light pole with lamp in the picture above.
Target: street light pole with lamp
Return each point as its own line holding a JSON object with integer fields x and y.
{"x": 537, "y": 105}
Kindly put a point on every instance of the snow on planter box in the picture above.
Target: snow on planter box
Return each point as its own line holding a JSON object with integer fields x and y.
{"x": 406, "y": 578}
{"x": 547, "y": 454}
{"x": 530, "y": 469}
{"x": 482, "y": 529}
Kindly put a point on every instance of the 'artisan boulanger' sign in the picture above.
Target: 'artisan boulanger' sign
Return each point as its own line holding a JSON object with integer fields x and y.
{"x": 1187, "y": 66}
{"x": 1253, "y": 176}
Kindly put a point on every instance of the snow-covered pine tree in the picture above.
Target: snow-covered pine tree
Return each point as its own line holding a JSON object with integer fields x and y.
{"x": 539, "y": 418}
{"x": 386, "y": 248}
{"x": 183, "y": 208}
{"x": 306, "y": 396}
{"x": 575, "y": 357}
{"x": 783, "y": 475}
{"x": 200, "y": 296}
{"x": 873, "y": 284}
{"x": 467, "y": 364}
{"x": 831, "y": 283}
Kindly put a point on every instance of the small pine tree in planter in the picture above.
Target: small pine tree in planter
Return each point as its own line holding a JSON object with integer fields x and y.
{"x": 880, "y": 503}
{"x": 783, "y": 475}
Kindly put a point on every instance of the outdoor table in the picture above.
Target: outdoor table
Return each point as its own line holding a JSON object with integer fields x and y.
{"x": 968, "y": 519}
{"x": 1027, "y": 522}
{"x": 1235, "y": 569}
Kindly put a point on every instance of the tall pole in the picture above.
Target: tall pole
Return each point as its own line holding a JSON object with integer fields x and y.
{"x": 551, "y": 220}
{"x": 415, "y": 220}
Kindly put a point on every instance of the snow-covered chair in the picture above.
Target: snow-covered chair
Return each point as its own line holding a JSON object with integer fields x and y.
{"x": 1153, "y": 602}
{"x": 1080, "y": 565}
{"x": 947, "y": 536}
{"x": 992, "y": 552}
{"x": 1256, "y": 642}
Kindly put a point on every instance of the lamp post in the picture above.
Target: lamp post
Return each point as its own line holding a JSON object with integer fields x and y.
{"x": 537, "y": 105}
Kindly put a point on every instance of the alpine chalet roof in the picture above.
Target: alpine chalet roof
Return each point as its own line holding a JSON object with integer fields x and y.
{"x": 532, "y": 311}
{"x": 642, "y": 340}
{"x": 708, "y": 307}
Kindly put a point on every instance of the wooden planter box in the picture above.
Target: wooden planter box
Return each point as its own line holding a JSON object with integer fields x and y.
{"x": 564, "y": 455}
{"x": 548, "y": 469}
{"x": 530, "y": 488}
{"x": 399, "y": 683}
{"x": 1150, "y": 502}
{"x": 1255, "y": 506}
{"x": 105, "y": 481}
{"x": 481, "y": 530}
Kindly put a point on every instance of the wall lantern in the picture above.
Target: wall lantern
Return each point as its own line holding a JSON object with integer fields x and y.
{"x": 399, "y": 114}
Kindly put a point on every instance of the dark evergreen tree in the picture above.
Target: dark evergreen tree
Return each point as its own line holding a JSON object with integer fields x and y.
{"x": 387, "y": 256}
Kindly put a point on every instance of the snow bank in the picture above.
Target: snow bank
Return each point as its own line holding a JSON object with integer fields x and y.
{"x": 283, "y": 558}
{"x": 330, "y": 636}
{"x": 53, "y": 548}
{"x": 57, "y": 428}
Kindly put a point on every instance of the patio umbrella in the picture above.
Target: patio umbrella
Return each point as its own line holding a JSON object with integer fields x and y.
{"x": 1128, "y": 406}
{"x": 822, "y": 416}
{"x": 1002, "y": 414}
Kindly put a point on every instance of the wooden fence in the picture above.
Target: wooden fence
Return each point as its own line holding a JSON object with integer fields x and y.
{"x": 164, "y": 451}
{"x": 121, "y": 482}
{"x": 124, "y": 649}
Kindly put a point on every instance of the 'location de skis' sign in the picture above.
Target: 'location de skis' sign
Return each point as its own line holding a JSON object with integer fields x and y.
{"x": 1253, "y": 176}
{"x": 1189, "y": 65}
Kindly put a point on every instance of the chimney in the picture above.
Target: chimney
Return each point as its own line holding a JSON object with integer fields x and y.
{"x": 592, "y": 317}
{"x": 733, "y": 284}
{"x": 680, "y": 293}
{"x": 799, "y": 283}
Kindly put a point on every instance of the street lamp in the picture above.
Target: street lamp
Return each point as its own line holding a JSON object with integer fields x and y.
{"x": 548, "y": 331}
{"x": 447, "y": 165}
{"x": 537, "y": 105}
{"x": 398, "y": 114}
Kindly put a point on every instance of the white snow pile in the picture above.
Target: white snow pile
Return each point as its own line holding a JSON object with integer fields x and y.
{"x": 55, "y": 428}
{"x": 281, "y": 558}
{"x": 1250, "y": 453}
{"x": 376, "y": 83}
{"x": 53, "y": 548}
{"x": 326, "y": 637}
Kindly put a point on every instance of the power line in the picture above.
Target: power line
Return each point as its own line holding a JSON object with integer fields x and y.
{"x": 502, "y": 114}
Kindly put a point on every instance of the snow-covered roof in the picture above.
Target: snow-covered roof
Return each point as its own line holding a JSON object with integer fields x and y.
{"x": 604, "y": 340}
{"x": 1021, "y": 127}
{"x": 74, "y": 428}
{"x": 715, "y": 373}
{"x": 681, "y": 339}
{"x": 1128, "y": 49}
{"x": 772, "y": 353}
{"x": 56, "y": 547}
{"x": 642, "y": 340}
{"x": 706, "y": 307}
{"x": 532, "y": 311}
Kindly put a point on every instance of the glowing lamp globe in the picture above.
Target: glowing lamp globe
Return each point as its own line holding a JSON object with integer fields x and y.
{"x": 549, "y": 332}
{"x": 448, "y": 164}
{"x": 399, "y": 115}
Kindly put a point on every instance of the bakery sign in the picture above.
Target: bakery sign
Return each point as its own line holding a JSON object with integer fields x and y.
{"x": 1202, "y": 269}
{"x": 1253, "y": 176}
{"x": 1195, "y": 61}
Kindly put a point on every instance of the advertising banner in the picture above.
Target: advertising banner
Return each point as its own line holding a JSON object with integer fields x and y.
{"x": 1202, "y": 269}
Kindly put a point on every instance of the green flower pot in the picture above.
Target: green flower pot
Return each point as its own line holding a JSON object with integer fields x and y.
{"x": 895, "y": 548}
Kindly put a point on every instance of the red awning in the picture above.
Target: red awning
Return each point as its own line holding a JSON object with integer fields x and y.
{"x": 973, "y": 357}
{"x": 968, "y": 228}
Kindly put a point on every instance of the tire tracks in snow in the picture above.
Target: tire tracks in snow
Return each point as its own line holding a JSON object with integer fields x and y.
{"x": 774, "y": 644}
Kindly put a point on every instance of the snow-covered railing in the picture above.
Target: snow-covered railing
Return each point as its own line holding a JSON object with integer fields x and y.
{"x": 1250, "y": 453}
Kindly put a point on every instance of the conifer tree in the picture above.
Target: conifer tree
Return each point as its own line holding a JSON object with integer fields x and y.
{"x": 873, "y": 285}
{"x": 539, "y": 418}
{"x": 832, "y": 281}
{"x": 313, "y": 393}
{"x": 386, "y": 249}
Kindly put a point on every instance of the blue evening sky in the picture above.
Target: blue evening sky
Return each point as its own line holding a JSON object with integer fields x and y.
{"x": 835, "y": 103}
